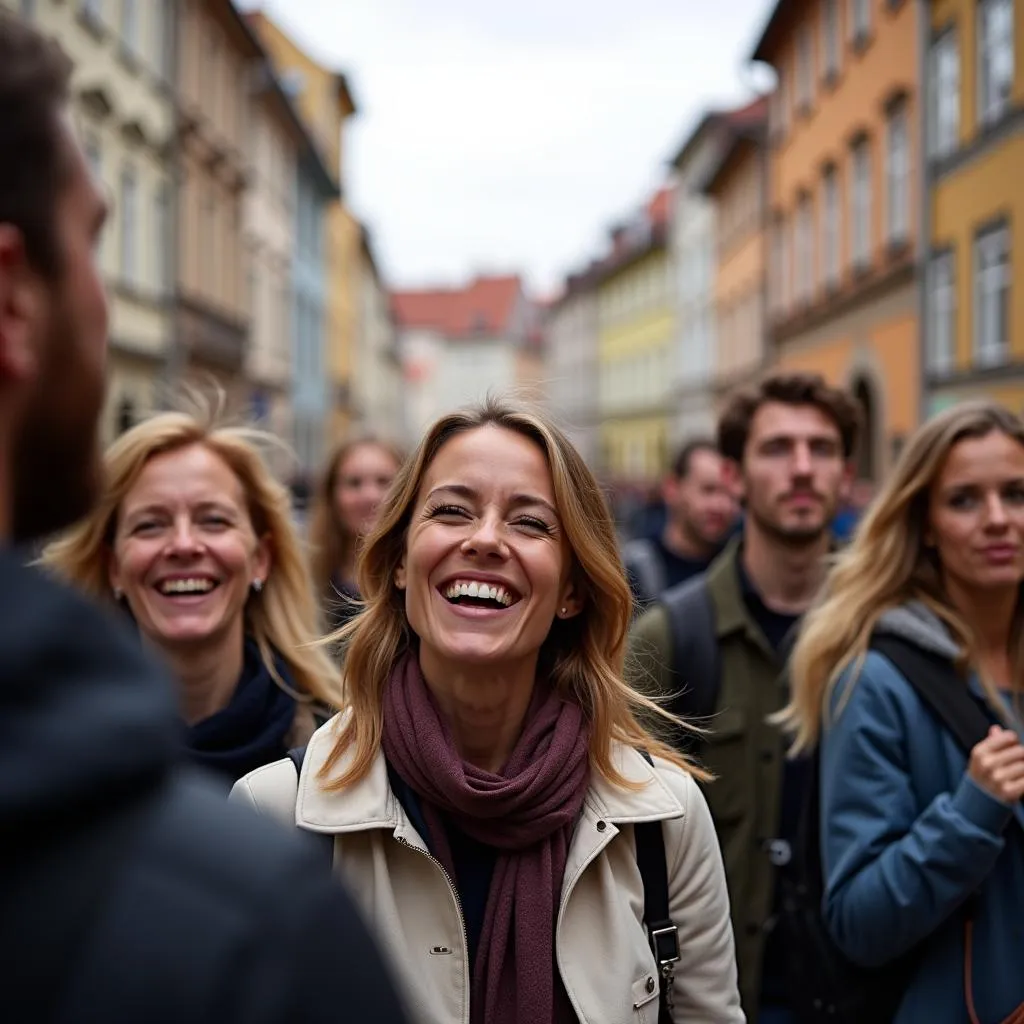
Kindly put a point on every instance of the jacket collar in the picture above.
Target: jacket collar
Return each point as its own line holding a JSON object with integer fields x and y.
{"x": 370, "y": 803}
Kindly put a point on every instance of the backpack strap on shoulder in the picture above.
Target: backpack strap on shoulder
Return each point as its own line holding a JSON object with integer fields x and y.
{"x": 939, "y": 686}
{"x": 644, "y": 565}
{"x": 662, "y": 933}
{"x": 324, "y": 839}
{"x": 696, "y": 659}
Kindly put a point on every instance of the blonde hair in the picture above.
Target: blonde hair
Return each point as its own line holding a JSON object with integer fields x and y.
{"x": 330, "y": 544}
{"x": 284, "y": 616}
{"x": 582, "y": 657}
{"x": 887, "y": 565}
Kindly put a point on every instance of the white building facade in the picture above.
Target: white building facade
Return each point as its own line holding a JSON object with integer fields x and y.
{"x": 571, "y": 346}
{"x": 123, "y": 102}
{"x": 377, "y": 371}
{"x": 693, "y": 243}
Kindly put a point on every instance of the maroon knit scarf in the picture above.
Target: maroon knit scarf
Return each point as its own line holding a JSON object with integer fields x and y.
{"x": 528, "y": 811}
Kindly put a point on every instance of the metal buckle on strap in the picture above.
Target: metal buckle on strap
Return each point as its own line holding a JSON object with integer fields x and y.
{"x": 665, "y": 946}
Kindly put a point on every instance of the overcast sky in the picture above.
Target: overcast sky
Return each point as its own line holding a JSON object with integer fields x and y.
{"x": 501, "y": 137}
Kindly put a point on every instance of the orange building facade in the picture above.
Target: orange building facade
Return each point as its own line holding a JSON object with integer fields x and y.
{"x": 844, "y": 138}
{"x": 974, "y": 343}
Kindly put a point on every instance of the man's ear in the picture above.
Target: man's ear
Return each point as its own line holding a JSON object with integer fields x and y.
{"x": 19, "y": 308}
{"x": 732, "y": 477}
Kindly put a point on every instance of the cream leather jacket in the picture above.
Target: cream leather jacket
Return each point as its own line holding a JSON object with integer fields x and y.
{"x": 602, "y": 952}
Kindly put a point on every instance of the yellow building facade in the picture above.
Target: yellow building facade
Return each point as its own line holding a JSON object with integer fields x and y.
{"x": 845, "y": 198}
{"x": 974, "y": 341}
{"x": 636, "y": 326}
{"x": 325, "y": 104}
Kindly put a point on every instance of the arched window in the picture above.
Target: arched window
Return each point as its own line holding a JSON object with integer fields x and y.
{"x": 867, "y": 453}
{"x": 125, "y": 415}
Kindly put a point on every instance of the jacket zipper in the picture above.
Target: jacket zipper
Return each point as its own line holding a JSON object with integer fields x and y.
{"x": 458, "y": 906}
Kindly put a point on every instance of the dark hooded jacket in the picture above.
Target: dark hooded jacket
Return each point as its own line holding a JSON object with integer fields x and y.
{"x": 131, "y": 890}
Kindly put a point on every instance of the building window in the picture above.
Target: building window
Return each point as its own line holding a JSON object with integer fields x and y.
{"x": 941, "y": 339}
{"x": 992, "y": 296}
{"x": 92, "y": 11}
{"x": 779, "y": 110}
{"x": 27, "y": 9}
{"x": 860, "y": 21}
{"x": 126, "y": 416}
{"x": 130, "y": 25}
{"x": 830, "y": 257}
{"x": 995, "y": 59}
{"x": 778, "y": 259}
{"x": 165, "y": 29}
{"x": 804, "y": 249}
{"x": 897, "y": 175}
{"x": 129, "y": 225}
{"x": 209, "y": 228}
{"x": 94, "y": 156}
{"x": 860, "y": 204}
{"x": 944, "y": 113}
{"x": 162, "y": 239}
{"x": 804, "y": 69}
{"x": 830, "y": 38}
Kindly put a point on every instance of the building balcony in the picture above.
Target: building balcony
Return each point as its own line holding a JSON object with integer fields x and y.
{"x": 892, "y": 266}
{"x": 208, "y": 336}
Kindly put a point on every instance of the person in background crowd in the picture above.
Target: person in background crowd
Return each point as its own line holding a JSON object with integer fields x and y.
{"x": 345, "y": 509}
{"x": 700, "y": 512}
{"x": 922, "y": 841}
{"x": 649, "y": 516}
{"x": 850, "y": 514}
{"x": 484, "y": 787}
{"x": 718, "y": 643}
{"x": 192, "y": 536}
{"x": 131, "y": 891}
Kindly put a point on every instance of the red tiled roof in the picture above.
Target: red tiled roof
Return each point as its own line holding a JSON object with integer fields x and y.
{"x": 751, "y": 115}
{"x": 483, "y": 307}
{"x": 659, "y": 209}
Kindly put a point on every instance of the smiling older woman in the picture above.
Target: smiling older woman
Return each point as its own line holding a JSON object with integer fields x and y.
{"x": 192, "y": 538}
{"x": 484, "y": 785}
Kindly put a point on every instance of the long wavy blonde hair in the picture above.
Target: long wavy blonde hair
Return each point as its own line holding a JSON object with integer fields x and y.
{"x": 582, "y": 657}
{"x": 284, "y": 617}
{"x": 887, "y": 565}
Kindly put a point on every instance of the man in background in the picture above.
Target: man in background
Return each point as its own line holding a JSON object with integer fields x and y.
{"x": 699, "y": 513}
{"x": 130, "y": 891}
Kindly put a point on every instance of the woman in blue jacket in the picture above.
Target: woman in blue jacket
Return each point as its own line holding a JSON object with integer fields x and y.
{"x": 915, "y": 833}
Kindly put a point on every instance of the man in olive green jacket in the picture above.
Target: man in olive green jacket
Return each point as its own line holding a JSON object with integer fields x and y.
{"x": 787, "y": 446}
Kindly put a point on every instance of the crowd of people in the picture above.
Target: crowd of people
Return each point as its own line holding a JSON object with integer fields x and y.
{"x": 455, "y": 753}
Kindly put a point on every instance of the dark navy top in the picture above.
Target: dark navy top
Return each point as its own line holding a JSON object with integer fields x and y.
{"x": 473, "y": 862}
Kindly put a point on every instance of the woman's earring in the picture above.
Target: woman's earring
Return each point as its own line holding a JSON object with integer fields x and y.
{"x": 118, "y": 594}
{"x": 257, "y": 585}
{"x": 564, "y": 611}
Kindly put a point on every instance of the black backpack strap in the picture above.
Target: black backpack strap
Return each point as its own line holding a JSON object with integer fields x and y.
{"x": 324, "y": 839}
{"x": 644, "y": 566}
{"x": 943, "y": 691}
{"x": 696, "y": 659}
{"x": 662, "y": 933}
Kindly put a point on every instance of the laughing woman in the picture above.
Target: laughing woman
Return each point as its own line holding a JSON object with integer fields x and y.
{"x": 485, "y": 789}
{"x": 193, "y": 539}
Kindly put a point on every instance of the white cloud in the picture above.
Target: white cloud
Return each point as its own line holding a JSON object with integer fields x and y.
{"x": 496, "y": 136}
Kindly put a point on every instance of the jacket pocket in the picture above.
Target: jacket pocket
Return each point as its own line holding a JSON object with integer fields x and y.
{"x": 645, "y": 999}
{"x": 725, "y": 754}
